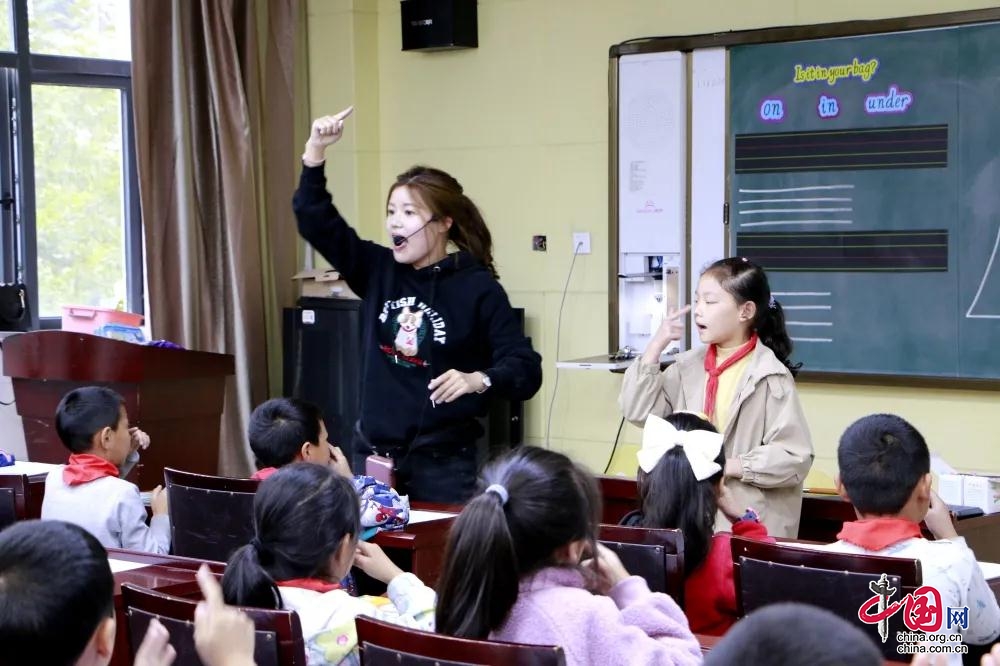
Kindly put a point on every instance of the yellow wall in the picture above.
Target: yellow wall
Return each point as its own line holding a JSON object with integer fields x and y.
{"x": 522, "y": 122}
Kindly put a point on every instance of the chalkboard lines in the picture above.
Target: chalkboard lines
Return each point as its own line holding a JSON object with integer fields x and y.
{"x": 909, "y": 147}
{"x": 849, "y": 251}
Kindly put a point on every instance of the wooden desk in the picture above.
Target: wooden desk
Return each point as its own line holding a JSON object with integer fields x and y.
{"x": 823, "y": 515}
{"x": 165, "y": 573}
{"x": 419, "y": 548}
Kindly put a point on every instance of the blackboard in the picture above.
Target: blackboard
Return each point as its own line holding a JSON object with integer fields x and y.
{"x": 864, "y": 175}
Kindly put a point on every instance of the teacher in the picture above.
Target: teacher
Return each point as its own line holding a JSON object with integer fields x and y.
{"x": 440, "y": 338}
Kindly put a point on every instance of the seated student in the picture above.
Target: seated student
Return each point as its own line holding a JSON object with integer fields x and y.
{"x": 788, "y": 633}
{"x": 93, "y": 424}
{"x": 680, "y": 487}
{"x": 515, "y": 571}
{"x": 306, "y": 523}
{"x": 885, "y": 472}
{"x": 57, "y": 609}
{"x": 286, "y": 430}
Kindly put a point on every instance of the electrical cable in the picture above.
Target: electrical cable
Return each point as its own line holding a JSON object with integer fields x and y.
{"x": 555, "y": 386}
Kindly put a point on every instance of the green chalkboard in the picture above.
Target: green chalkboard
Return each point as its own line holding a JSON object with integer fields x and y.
{"x": 865, "y": 177}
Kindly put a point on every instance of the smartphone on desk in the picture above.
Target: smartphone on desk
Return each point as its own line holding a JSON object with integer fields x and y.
{"x": 381, "y": 469}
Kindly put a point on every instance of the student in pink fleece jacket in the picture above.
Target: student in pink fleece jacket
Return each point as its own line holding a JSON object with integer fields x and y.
{"x": 515, "y": 571}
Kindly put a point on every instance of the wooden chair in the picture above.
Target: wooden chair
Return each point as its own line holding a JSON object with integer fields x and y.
{"x": 16, "y": 498}
{"x": 384, "y": 644}
{"x": 656, "y": 555}
{"x": 8, "y": 507}
{"x": 766, "y": 573}
{"x": 620, "y": 495}
{"x": 278, "y": 634}
{"x": 210, "y": 516}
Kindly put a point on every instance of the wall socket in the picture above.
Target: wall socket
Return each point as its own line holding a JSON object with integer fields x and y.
{"x": 581, "y": 242}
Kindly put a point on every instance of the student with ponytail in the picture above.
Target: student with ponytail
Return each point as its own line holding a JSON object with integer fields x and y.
{"x": 680, "y": 487}
{"x": 306, "y": 524}
{"x": 520, "y": 567}
{"x": 743, "y": 380}
{"x": 440, "y": 338}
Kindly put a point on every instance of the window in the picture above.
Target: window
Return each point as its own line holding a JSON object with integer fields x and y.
{"x": 69, "y": 218}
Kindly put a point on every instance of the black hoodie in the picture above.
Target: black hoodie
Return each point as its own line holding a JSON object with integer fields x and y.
{"x": 419, "y": 323}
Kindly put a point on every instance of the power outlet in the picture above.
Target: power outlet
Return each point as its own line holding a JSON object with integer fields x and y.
{"x": 581, "y": 242}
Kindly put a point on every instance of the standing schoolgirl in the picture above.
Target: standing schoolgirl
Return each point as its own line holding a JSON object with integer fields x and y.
{"x": 743, "y": 381}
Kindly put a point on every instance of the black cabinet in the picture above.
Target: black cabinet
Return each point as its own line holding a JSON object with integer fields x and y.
{"x": 322, "y": 361}
{"x": 322, "y": 364}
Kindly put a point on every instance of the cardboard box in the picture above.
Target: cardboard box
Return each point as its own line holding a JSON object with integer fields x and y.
{"x": 323, "y": 283}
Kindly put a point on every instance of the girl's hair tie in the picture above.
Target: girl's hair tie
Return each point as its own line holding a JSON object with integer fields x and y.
{"x": 500, "y": 492}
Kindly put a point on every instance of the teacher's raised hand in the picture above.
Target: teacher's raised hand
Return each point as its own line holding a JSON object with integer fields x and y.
{"x": 326, "y": 131}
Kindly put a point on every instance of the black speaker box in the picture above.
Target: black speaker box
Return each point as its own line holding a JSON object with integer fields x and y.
{"x": 432, "y": 25}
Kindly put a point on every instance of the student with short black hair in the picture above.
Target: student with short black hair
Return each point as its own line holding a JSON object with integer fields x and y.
{"x": 515, "y": 571}
{"x": 90, "y": 491}
{"x": 681, "y": 487}
{"x": 885, "y": 472}
{"x": 56, "y": 592}
{"x": 790, "y": 633}
{"x": 305, "y": 540}
{"x": 287, "y": 430}
{"x": 57, "y": 605}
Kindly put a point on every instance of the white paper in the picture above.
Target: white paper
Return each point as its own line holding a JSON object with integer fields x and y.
{"x": 939, "y": 466}
{"x": 418, "y": 516}
{"x": 990, "y": 570}
{"x": 29, "y": 468}
{"x": 118, "y": 566}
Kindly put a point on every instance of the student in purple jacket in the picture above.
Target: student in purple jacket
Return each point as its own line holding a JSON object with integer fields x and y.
{"x": 520, "y": 567}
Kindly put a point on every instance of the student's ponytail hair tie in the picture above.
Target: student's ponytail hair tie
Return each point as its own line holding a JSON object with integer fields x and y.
{"x": 500, "y": 492}
{"x": 263, "y": 554}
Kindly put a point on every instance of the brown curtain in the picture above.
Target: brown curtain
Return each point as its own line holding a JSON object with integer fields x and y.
{"x": 214, "y": 87}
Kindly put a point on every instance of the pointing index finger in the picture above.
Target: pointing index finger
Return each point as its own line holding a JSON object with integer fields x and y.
{"x": 677, "y": 314}
{"x": 345, "y": 113}
{"x": 210, "y": 587}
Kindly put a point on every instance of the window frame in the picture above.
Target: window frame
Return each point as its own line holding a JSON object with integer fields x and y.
{"x": 18, "y": 224}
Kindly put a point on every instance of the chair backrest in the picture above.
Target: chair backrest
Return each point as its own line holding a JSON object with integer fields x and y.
{"x": 619, "y": 495}
{"x": 210, "y": 516}
{"x": 277, "y": 633}
{"x": 8, "y": 507}
{"x": 13, "y": 498}
{"x": 654, "y": 554}
{"x": 384, "y": 644}
{"x": 766, "y": 573}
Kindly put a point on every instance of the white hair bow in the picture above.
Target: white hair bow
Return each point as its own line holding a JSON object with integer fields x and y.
{"x": 701, "y": 447}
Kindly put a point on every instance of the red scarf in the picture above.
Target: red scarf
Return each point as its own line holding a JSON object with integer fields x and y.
{"x": 310, "y": 584}
{"x": 263, "y": 473}
{"x": 876, "y": 534}
{"x": 712, "y": 387}
{"x": 86, "y": 467}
